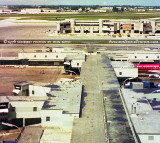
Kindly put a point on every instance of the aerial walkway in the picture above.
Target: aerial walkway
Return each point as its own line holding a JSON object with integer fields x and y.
{"x": 103, "y": 118}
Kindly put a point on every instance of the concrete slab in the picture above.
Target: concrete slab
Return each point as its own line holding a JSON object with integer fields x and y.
{"x": 90, "y": 128}
{"x": 103, "y": 116}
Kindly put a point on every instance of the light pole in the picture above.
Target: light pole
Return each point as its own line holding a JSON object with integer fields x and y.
{"x": 11, "y": 125}
{"x": 127, "y": 79}
{"x": 72, "y": 72}
{"x": 1, "y": 53}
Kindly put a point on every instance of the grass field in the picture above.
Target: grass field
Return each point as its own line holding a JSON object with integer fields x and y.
{"x": 87, "y": 16}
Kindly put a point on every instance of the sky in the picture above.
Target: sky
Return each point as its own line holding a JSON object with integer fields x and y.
{"x": 81, "y": 2}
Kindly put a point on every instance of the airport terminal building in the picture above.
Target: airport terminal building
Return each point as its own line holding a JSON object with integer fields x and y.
{"x": 102, "y": 26}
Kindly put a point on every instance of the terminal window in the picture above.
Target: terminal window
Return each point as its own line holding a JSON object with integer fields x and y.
{"x": 14, "y": 109}
{"x": 34, "y": 108}
{"x": 136, "y": 31}
{"x": 32, "y": 91}
{"x": 48, "y": 118}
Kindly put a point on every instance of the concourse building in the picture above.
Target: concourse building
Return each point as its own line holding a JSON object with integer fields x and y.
{"x": 103, "y": 26}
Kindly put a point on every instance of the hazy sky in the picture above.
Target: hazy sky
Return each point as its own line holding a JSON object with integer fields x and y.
{"x": 81, "y": 2}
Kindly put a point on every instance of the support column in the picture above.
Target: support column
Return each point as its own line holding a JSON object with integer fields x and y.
{"x": 23, "y": 122}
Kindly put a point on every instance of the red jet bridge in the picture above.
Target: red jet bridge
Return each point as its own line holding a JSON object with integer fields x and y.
{"x": 148, "y": 66}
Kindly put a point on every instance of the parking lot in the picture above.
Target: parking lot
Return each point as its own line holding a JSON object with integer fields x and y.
{"x": 144, "y": 76}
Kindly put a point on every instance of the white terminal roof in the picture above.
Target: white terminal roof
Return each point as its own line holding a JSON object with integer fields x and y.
{"x": 122, "y": 64}
{"x": 78, "y": 56}
{"x": 65, "y": 96}
{"x": 146, "y": 120}
{"x": 27, "y": 104}
{"x": 22, "y": 98}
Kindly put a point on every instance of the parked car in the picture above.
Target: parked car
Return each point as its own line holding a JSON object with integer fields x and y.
{"x": 153, "y": 76}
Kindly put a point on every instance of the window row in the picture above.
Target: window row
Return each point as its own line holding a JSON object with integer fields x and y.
{"x": 14, "y": 109}
{"x": 45, "y": 56}
{"x": 146, "y": 57}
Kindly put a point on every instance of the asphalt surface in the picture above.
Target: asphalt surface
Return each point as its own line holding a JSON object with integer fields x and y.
{"x": 118, "y": 129}
{"x": 91, "y": 127}
{"x": 103, "y": 117}
{"x": 31, "y": 134}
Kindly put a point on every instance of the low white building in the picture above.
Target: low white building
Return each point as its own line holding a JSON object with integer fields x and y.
{"x": 53, "y": 105}
{"x": 132, "y": 56}
{"x": 25, "y": 109}
{"x": 53, "y": 57}
{"x": 46, "y": 10}
{"x": 42, "y": 56}
{"x": 63, "y": 105}
{"x": 39, "y": 89}
{"x": 43, "y": 59}
{"x": 144, "y": 114}
{"x": 31, "y": 11}
{"x": 123, "y": 27}
{"x": 31, "y": 88}
{"x": 74, "y": 62}
{"x": 124, "y": 69}
{"x": 144, "y": 56}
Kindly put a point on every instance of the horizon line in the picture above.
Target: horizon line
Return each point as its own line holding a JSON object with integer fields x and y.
{"x": 76, "y": 5}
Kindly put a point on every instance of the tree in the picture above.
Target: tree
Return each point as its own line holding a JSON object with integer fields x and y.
{"x": 75, "y": 7}
{"x": 122, "y": 9}
{"x": 83, "y": 8}
{"x": 115, "y": 9}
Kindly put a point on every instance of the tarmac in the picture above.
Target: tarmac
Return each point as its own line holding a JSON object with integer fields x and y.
{"x": 14, "y": 29}
{"x": 31, "y": 134}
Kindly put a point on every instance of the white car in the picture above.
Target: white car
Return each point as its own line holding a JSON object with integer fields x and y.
{"x": 153, "y": 75}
